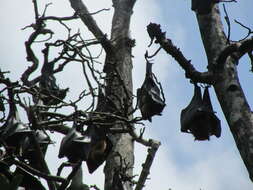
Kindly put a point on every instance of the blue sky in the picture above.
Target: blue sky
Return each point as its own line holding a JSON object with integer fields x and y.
{"x": 181, "y": 162}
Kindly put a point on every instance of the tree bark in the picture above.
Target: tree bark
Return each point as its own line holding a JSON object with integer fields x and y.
{"x": 228, "y": 89}
{"x": 120, "y": 65}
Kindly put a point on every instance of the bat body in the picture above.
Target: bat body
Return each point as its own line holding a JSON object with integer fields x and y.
{"x": 198, "y": 117}
{"x": 149, "y": 97}
{"x": 101, "y": 146}
{"x": 14, "y": 131}
{"x": 75, "y": 146}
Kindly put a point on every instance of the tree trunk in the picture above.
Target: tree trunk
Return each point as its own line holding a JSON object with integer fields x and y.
{"x": 228, "y": 89}
{"x": 120, "y": 88}
{"x": 118, "y": 69}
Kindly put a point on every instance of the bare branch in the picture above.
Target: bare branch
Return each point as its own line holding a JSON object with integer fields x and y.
{"x": 153, "y": 55}
{"x": 35, "y": 5}
{"x": 147, "y": 165}
{"x": 40, "y": 157}
{"x": 45, "y": 9}
{"x": 247, "y": 28}
{"x": 226, "y": 1}
{"x": 228, "y": 23}
{"x": 251, "y": 60}
{"x": 30, "y": 54}
{"x": 36, "y": 172}
{"x": 190, "y": 72}
{"x": 67, "y": 18}
{"x": 91, "y": 24}
{"x": 237, "y": 50}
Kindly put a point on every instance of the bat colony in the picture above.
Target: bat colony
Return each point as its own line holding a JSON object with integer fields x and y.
{"x": 93, "y": 144}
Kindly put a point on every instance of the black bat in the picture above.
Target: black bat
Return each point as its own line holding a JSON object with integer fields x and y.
{"x": 198, "y": 117}
{"x": 29, "y": 150}
{"x": 213, "y": 121}
{"x": 101, "y": 146}
{"x": 14, "y": 131}
{"x": 75, "y": 146}
{"x": 51, "y": 94}
{"x": 149, "y": 97}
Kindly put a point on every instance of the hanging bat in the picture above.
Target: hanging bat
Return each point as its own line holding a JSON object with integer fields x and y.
{"x": 149, "y": 97}
{"x": 75, "y": 146}
{"x": 101, "y": 146}
{"x": 100, "y": 143}
{"x": 192, "y": 116}
{"x": 14, "y": 131}
{"x": 51, "y": 94}
{"x": 198, "y": 117}
{"x": 29, "y": 150}
{"x": 213, "y": 121}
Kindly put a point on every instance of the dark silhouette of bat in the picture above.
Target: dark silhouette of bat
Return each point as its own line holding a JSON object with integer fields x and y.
{"x": 149, "y": 97}
{"x": 75, "y": 146}
{"x": 29, "y": 149}
{"x": 213, "y": 121}
{"x": 51, "y": 94}
{"x": 198, "y": 117}
{"x": 101, "y": 146}
{"x": 14, "y": 131}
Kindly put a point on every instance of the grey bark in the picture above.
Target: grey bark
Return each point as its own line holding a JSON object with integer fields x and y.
{"x": 228, "y": 89}
{"x": 121, "y": 65}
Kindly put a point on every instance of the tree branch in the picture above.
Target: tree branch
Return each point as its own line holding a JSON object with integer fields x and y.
{"x": 40, "y": 157}
{"x": 147, "y": 165}
{"x": 190, "y": 72}
{"x": 236, "y": 50}
{"x": 228, "y": 89}
{"x": 36, "y": 172}
{"x": 30, "y": 54}
{"x": 82, "y": 11}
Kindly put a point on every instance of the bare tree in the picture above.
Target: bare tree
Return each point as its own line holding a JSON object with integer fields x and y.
{"x": 223, "y": 57}
{"x": 105, "y": 129}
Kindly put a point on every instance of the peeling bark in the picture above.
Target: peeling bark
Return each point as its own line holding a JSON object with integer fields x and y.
{"x": 228, "y": 89}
